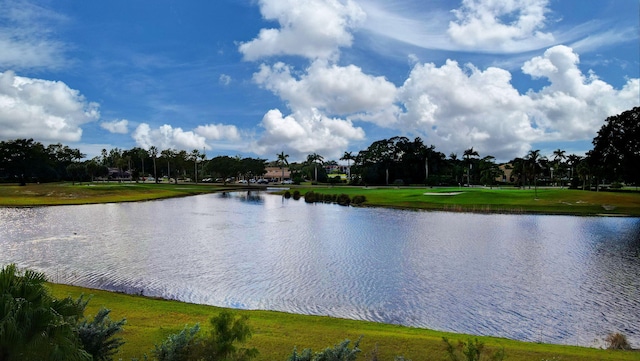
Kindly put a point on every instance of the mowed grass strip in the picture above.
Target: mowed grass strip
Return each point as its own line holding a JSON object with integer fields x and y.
{"x": 87, "y": 193}
{"x": 275, "y": 334}
{"x": 505, "y": 200}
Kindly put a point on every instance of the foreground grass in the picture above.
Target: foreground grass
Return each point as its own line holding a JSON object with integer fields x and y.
{"x": 87, "y": 193}
{"x": 275, "y": 334}
{"x": 506, "y": 200}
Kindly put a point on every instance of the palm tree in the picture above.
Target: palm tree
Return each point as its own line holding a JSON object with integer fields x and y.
{"x": 467, "y": 155}
{"x": 35, "y": 325}
{"x": 154, "y": 154}
{"x": 533, "y": 160}
{"x": 348, "y": 156}
{"x": 558, "y": 157}
{"x": 282, "y": 161}
{"x": 195, "y": 155}
{"x": 315, "y": 158}
{"x": 168, "y": 154}
{"x": 142, "y": 153}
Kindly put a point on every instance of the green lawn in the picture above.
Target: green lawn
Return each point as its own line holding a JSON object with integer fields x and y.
{"x": 86, "y": 193}
{"x": 506, "y": 200}
{"x": 275, "y": 334}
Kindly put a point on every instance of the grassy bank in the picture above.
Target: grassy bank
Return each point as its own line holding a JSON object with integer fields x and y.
{"x": 506, "y": 200}
{"x": 88, "y": 193}
{"x": 275, "y": 334}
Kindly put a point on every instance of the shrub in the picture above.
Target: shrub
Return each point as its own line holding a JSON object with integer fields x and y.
{"x": 617, "y": 341}
{"x": 469, "y": 351}
{"x": 227, "y": 331}
{"x": 343, "y": 199}
{"x": 34, "y": 325}
{"x": 310, "y": 197}
{"x": 296, "y": 194}
{"x": 340, "y": 352}
{"x": 357, "y": 200}
{"x": 181, "y": 346}
{"x": 98, "y": 336}
{"x": 287, "y": 194}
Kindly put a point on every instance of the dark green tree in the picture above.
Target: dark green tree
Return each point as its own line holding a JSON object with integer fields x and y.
{"x": 617, "y": 147}
{"x": 33, "y": 324}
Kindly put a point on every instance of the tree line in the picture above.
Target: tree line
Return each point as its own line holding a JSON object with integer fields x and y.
{"x": 397, "y": 160}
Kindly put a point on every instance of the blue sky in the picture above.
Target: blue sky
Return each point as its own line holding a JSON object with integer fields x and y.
{"x": 258, "y": 77}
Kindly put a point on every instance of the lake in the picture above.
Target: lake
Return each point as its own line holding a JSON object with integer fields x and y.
{"x": 557, "y": 279}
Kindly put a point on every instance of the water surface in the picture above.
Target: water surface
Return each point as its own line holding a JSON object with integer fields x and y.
{"x": 559, "y": 279}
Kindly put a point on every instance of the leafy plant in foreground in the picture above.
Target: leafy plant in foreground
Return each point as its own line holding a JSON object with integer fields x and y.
{"x": 472, "y": 350}
{"x": 98, "y": 337}
{"x": 617, "y": 341}
{"x": 340, "y": 352}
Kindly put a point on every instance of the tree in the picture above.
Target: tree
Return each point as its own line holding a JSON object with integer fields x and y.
{"x": 468, "y": 154}
{"x": 153, "y": 152}
{"x": 348, "y": 156}
{"x": 617, "y": 147}
{"x": 142, "y": 153}
{"x": 282, "y": 161}
{"x": 558, "y": 157}
{"x": 533, "y": 163}
{"x": 169, "y": 154}
{"x": 194, "y": 156}
{"x": 33, "y": 324}
{"x": 315, "y": 159}
{"x": 489, "y": 170}
{"x": 98, "y": 337}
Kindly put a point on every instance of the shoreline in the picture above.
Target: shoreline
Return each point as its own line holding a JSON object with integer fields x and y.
{"x": 447, "y": 199}
{"x": 276, "y": 333}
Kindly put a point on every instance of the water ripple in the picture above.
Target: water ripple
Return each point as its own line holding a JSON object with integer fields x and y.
{"x": 567, "y": 280}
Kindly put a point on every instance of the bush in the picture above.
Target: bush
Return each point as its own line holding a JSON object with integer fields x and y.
{"x": 296, "y": 194}
{"x": 181, "y": 346}
{"x": 469, "y": 351}
{"x": 34, "y": 325}
{"x": 227, "y": 330}
{"x": 340, "y": 352}
{"x": 617, "y": 341}
{"x": 98, "y": 336}
{"x": 343, "y": 200}
{"x": 310, "y": 197}
{"x": 357, "y": 200}
{"x": 287, "y": 194}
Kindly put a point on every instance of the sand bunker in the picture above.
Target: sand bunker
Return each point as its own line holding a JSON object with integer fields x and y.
{"x": 443, "y": 194}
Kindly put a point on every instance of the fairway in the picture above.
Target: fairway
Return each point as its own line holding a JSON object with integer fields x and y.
{"x": 496, "y": 200}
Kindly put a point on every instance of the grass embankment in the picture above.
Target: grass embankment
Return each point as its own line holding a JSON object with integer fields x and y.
{"x": 87, "y": 193}
{"x": 275, "y": 334}
{"x": 506, "y": 200}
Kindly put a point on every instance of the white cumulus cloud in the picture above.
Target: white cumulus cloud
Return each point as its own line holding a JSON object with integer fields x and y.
{"x": 310, "y": 28}
{"x": 330, "y": 88}
{"x": 167, "y": 137}
{"x": 116, "y": 126}
{"x": 305, "y": 132}
{"x": 458, "y": 107}
{"x": 500, "y": 25}
{"x": 45, "y": 110}
{"x": 218, "y": 132}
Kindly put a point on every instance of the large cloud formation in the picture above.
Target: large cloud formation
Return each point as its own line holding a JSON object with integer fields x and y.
{"x": 45, "y": 110}
{"x": 452, "y": 106}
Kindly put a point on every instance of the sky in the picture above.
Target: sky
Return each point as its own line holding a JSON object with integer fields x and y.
{"x": 259, "y": 77}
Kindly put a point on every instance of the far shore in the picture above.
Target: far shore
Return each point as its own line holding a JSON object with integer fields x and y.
{"x": 556, "y": 201}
